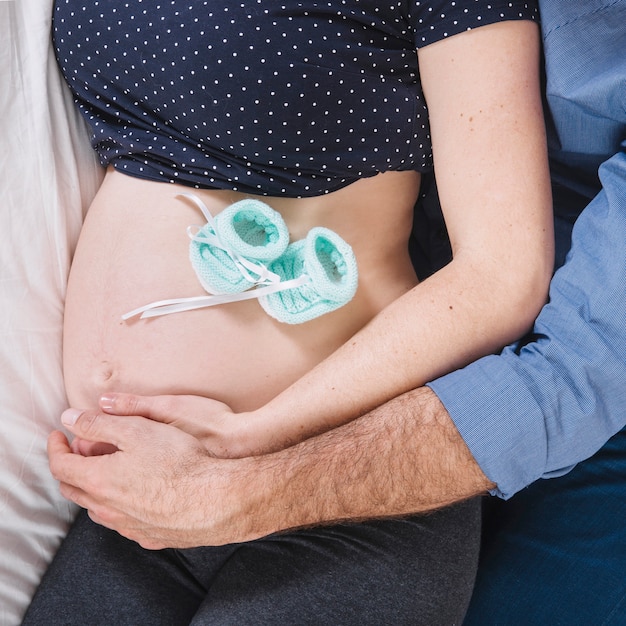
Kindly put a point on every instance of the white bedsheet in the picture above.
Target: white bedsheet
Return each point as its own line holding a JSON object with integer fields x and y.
{"x": 48, "y": 176}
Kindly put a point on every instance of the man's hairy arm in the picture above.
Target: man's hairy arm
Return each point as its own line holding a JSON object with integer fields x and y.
{"x": 162, "y": 488}
{"x": 404, "y": 457}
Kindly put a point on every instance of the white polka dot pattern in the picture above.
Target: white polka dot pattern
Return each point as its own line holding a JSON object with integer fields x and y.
{"x": 260, "y": 96}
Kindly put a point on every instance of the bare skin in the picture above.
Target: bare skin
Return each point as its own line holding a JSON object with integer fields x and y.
{"x": 405, "y": 457}
{"x": 133, "y": 250}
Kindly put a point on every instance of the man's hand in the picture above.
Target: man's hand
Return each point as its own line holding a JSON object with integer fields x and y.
{"x": 161, "y": 487}
{"x": 154, "y": 489}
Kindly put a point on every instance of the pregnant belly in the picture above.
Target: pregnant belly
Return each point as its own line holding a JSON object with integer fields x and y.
{"x": 134, "y": 250}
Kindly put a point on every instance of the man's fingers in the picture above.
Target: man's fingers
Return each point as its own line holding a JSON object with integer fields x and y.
{"x": 68, "y": 468}
{"x": 86, "y": 424}
{"x": 76, "y": 474}
{"x": 58, "y": 443}
{"x": 102, "y": 428}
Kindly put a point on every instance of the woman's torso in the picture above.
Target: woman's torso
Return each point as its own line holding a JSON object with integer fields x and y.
{"x": 278, "y": 100}
{"x": 133, "y": 250}
{"x": 293, "y": 98}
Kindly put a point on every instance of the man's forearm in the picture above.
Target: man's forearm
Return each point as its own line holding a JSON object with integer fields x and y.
{"x": 404, "y": 457}
{"x": 163, "y": 489}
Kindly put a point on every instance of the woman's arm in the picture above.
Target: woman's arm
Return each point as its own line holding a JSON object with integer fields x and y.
{"x": 482, "y": 89}
{"x": 483, "y": 93}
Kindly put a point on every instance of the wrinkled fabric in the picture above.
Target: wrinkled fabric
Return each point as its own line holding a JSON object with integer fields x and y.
{"x": 48, "y": 176}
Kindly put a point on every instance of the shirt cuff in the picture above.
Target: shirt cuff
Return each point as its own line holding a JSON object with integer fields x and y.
{"x": 499, "y": 420}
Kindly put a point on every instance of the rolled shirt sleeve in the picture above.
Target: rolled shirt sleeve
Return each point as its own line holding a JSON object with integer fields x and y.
{"x": 544, "y": 405}
{"x": 554, "y": 399}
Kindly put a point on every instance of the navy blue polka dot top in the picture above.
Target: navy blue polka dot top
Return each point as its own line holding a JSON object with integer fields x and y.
{"x": 266, "y": 97}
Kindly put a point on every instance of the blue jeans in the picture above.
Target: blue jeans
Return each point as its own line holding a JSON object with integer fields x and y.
{"x": 556, "y": 552}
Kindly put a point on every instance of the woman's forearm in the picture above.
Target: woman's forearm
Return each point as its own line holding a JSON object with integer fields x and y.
{"x": 491, "y": 164}
{"x": 461, "y": 313}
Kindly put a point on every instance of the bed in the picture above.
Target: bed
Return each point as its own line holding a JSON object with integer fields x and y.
{"x": 48, "y": 177}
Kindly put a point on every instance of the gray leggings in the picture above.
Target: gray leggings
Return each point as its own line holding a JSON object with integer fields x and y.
{"x": 412, "y": 571}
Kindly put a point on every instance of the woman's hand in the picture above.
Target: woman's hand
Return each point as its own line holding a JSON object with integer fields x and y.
{"x": 213, "y": 423}
{"x": 223, "y": 433}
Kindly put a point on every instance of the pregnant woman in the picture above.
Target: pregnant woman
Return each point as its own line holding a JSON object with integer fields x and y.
{"x": 319, "y": 112}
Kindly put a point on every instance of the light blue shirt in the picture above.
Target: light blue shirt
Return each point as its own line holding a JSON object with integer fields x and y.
{"x": 554, "y": 399}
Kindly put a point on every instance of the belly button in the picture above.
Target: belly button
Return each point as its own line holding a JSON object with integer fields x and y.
{"x": 107, "y": 371}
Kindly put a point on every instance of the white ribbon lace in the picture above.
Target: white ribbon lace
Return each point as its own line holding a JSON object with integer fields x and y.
{"x": 257, "y": 274}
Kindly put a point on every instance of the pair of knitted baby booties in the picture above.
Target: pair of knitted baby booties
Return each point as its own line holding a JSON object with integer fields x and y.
{"x": 247, "y": 246}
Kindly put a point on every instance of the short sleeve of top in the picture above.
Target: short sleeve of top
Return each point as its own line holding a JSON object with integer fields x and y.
{"x": 259, "y": 96}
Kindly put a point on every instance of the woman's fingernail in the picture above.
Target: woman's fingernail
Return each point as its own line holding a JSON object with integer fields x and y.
{"x": 107, "y": 402}
{"x": 69, "y": 416}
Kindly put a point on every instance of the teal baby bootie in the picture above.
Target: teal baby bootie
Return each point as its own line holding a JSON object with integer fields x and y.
{"x": 247, "y": 245}
{"x": 330, "y": 266}
{"x": 231, "y": 252}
